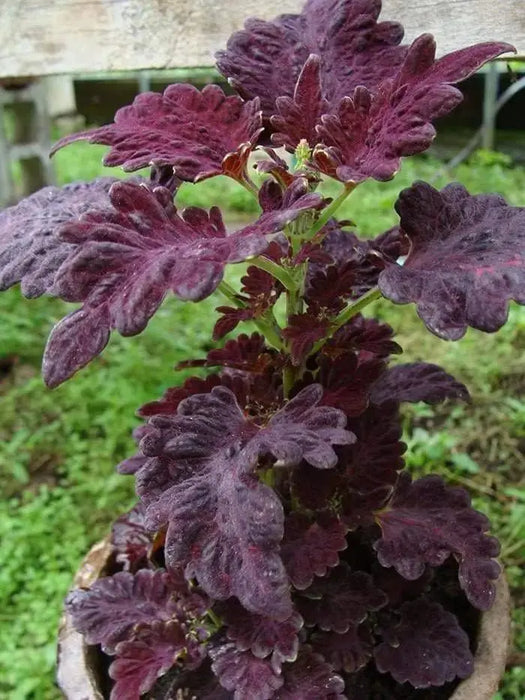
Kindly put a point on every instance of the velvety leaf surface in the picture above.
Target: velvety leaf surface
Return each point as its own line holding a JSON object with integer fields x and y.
{"x": 198, "y": 133}
{"x": 425, "y": 647}
{"x": 106, "y": 612}
{"x": 266, "y": 58}
{"x": 417, "y": 381}
{"x": 244, "y": 673}
{"x": 347, "y": 652}
{"x": 150, "y": 652}
{"x": 309, "y": 547}
{"x": 262, "y": 635}
{"x": 30, "y": 251}
{"x": 127, "y": 259}
{"x": 130, "y": 539}
{"x": 427, "y": 521}
{"x": 340, "y": 600}
{"x": 248, "y": 353}
{"x": 310, "y": 678}
{"x": 223, "y": 523}
{"x": 466, "y": 259}
{"x": 371, "y": 130}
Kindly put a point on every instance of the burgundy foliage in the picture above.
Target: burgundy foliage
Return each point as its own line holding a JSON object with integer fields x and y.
{"x": 30, "y": 250}
{"x": 425, "y": 647}
{"x": 278, "y": 550}
{"x": 197, "y": 134}
{"x": 427, "y": 521}
{"x": 466, "y": 259}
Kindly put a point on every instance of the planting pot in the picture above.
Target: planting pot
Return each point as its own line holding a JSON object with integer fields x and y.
{"x": 81, "y": 674}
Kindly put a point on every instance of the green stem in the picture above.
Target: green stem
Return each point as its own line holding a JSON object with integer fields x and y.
{"x": 268, "y": 329}
{"x": 249, "y": 186}
{"x": 276, "y": 271}
{"x": 347, "y": 314}
{"x": 355, "y": 308}
{"x": 330, "y": 210}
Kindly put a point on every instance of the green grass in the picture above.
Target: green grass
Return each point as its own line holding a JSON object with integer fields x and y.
{"x": 58, "y": 449}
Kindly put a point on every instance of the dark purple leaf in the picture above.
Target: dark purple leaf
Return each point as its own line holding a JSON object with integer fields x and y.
{"x": 131, "y": 540}
{"x": 417, "y": 381}
{"x": 466, "y": 259}
{"x": 427, "y": 521}
{"x": 126, "y": 261}
{"x": 198, "y": 133}
{"x": 310, "y": 678}
{"x": 30, "y": 251}
{"x": 244, "y": 673}
{"x": 302, "y": 332}
{"x": 223, "y": 524}
{"x": 371, "y": 130}
{"x": 425, "y": 647}
{"x": 340, "y": 600}
{"x": 347, "y": 652}
{"x": 371, "y": 465}
{"x": 328, "y": 288}
{"x": 309, "y": 547}
{"x": 315, "y": 488}
{"x": 151, "y": 651}
{"x": 363, "y": 335}
{"x": 348, "y": 382}
{"x": 261, "y": 635}
{"x": 74, "y": 341}
{"x": 106, "y": 612}
{"x": 266, "y": 58}
{"x": 248, "y": 353}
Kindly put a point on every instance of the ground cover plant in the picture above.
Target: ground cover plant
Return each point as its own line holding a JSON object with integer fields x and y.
{"x": 272, "y": 419}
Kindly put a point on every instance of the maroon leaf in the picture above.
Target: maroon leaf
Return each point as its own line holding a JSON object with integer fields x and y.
{"x": 302, "y": 332}
{"x": 364, "y": 335}
{"x": 246, "y": 353}
{"x": 348, "y": 382}
{"x": 329, "y": 287}
{"x": 417, "y": 381}
{"x": 127, "y": 259}
{"x": 130, "y": 539}
{"x": 310, "y": 678}
{"x": 466, "y": 259}
{"x": 169, "y": 403}
{"x": 266, "y": 58}
{"x": 340, "y": 600}
{"x": 310, "y": 548}
{"x": 262, "y": 635}
{"x": 298, "y": 116}
{"x": 244, "y": 673}
{"x": 347, "y": 652}
{"x": 315, "y": 488}
{"x": 425, "y": 647}
{"x": 151, "y": 651}
{"x": 372, "y": 129}
{"x": 425, "y": 523}
{"x": 30, "y": 251}
{"x": 106, "y": 612}
{"x": 199, "y": 134}
{"x": 230, "y": 319}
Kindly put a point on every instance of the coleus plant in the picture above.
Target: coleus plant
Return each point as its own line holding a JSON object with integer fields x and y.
{"x": 279, "y": 549}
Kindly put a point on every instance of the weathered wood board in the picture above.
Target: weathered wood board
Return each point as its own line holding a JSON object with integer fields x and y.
{"x": 46, "y": 37}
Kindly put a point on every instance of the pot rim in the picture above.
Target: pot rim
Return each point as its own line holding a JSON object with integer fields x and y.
{"x": 78, "y": 680}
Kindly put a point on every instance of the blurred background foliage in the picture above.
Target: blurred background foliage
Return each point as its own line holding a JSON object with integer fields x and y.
{"x": 58, "y": 449}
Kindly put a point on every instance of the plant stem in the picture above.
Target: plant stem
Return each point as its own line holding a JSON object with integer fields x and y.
{"x": 347, "y": 314}
{"x": 268, "y": 329}
{"x": 331, "y": 209}
{"x": 355, "y": 308}
{"x": 276, "y": 271}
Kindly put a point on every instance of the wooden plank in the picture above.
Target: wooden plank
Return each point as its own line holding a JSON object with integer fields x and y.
{"x": 46, "y": 37}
